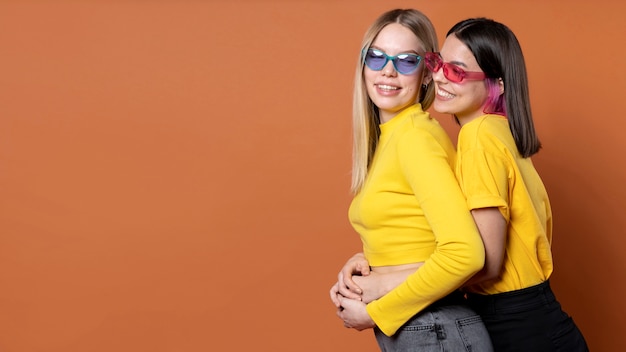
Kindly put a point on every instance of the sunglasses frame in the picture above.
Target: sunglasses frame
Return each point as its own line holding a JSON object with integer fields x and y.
{"x": 393, "y": 60}
{"x": 446, "y": 66}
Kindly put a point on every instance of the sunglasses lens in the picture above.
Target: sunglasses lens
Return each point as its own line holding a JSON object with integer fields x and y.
{"x": 454, "y": 73}
{"x": 375, "y": 59}
{"x": 433, "y": 62}
{"x": 406, "y": 64}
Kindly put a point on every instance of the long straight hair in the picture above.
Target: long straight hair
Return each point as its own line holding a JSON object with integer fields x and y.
{"x": 499, "y": 55}
{"x": 365, "y": 115}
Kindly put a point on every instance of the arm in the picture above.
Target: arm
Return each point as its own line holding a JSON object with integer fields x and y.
{"x": 492, "y": 227}
{"x": 424, "y": 160}
{"x": 485, "y": 172}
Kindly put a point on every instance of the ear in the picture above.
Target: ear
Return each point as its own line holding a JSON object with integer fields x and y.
{"x": 427, "y": 77}
{"x": 501, "y": 85}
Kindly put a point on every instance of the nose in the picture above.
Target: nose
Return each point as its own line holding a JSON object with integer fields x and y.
{"x": 389, "y": 69}
{"x": 438, "y": 75}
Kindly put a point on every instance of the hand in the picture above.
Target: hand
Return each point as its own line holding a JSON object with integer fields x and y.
{"x": 371, "y": 286}
{"x": 357, "y": 265}
{"x": 354, "y": 314}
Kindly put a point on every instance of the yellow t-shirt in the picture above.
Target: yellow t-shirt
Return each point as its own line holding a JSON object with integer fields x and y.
{"x": 410, "y": 210}
{"x": 492, "y": 173}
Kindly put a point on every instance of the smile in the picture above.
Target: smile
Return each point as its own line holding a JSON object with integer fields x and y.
{"x": 386, "y": 87}
{"x": 444, "y": 94}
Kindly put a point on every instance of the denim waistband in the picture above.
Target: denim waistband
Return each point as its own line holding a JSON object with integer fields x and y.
{"x": 514, "y": 301}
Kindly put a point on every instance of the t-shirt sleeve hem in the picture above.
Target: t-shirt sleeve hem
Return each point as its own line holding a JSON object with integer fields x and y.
{"x": 489, "y": 201}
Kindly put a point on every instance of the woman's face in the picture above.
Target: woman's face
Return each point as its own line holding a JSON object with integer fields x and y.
{"x": 389, "y": 90}
{"x": 466, "y": 99}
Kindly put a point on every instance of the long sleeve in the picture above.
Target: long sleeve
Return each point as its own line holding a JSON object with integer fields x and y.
{"x": 458, "y": 253}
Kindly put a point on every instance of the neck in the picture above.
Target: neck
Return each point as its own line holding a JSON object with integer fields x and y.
{"x": 386, "y": 116}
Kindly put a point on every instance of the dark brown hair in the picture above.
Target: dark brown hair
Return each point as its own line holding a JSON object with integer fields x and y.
{"x": 499, "y": 55}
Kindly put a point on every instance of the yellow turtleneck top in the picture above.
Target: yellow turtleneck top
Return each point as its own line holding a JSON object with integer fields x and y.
{"x": 411, "y": 210}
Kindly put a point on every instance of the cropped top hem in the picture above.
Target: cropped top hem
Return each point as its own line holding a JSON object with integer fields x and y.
{"x": 399, "y": 256}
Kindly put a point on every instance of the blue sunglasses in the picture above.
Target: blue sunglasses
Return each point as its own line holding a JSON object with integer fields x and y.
{"x": 405, "y": 64}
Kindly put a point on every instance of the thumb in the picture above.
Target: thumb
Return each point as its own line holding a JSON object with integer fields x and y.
{"x": 365, "y": 270}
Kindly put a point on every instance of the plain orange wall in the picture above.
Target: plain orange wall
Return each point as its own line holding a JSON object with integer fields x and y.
{"x": 174, "y": 174}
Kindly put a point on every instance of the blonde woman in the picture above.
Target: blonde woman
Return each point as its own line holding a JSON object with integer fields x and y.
{"x": 408, "y": 208}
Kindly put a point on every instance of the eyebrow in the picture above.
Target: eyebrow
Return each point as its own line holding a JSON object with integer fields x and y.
{"x": 458, "y": 63}
{"x": 401, "y": 52}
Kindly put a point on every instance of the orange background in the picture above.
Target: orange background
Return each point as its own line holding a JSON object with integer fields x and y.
{"x": 174, "y": 175}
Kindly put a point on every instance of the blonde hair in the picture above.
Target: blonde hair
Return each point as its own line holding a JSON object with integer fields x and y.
{"x": 365, "y": 114}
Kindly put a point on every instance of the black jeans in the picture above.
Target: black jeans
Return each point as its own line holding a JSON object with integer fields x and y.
{"x": 530, "y": 319}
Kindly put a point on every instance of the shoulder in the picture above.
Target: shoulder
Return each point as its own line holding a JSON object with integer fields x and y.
{"x": 486, "y": 124}
{"x": 422, "y": 124}
{"x": 483, "y": 131}
{"x": 419, "y": 133}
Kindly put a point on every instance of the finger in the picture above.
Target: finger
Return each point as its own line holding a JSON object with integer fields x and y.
{"x": 347, "y": 293}
{"x": 347, "y": 286}
{"x": 352, "y": 287}
{"x": 340, "y": 278}
{"x": 334, "y": 292}
{"x": 343, "y": 301}
{"x": 341, "y": 282}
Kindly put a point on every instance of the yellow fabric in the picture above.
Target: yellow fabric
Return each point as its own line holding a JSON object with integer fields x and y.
{"x": 492, "y": 173}
{"x": 410, "y": 210}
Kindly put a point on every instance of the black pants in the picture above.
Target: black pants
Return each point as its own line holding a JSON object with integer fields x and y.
{"x": 529, "y": 319}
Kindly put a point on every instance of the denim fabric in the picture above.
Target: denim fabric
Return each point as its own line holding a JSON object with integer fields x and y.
{"x": 454, "y": 328}
{"x": 530, "y": 319}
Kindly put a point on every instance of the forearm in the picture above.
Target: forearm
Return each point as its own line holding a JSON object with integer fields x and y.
{"x": 484, "y": 275}
{"x": 493, "y": 228}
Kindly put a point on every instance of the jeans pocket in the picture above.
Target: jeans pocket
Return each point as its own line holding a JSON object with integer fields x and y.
{"x": 474, "y": 334}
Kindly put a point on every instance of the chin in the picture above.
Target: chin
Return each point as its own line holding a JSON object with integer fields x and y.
{"x": 441, "y": 109}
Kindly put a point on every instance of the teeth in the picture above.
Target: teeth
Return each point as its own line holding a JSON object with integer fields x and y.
{"x": 385, "y": 87}
{"x": 444, "y": 94}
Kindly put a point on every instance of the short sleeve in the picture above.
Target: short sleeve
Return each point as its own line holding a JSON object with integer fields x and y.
{"x": 484, "y": 178}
